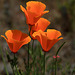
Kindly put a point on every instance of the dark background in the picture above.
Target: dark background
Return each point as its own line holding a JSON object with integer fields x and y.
{"x": 62, "y": 17}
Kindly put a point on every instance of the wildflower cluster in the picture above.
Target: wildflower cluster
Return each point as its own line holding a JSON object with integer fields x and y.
{"x": 37, "y": 25}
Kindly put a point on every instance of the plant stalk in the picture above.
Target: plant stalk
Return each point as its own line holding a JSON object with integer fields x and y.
{"x": 44, "y": 62}
{"x": 28, "y": 52}
{"x": 55, "y": 65}
{"x": 32, "y": 46}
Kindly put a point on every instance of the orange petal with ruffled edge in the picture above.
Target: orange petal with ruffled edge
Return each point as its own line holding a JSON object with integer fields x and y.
{"x": 46, "y": 41}
{"x": 35, "y": 6}
{"x": 42, "y": 24}
{"x": 32, "y": 20}
{"x": 36, "y": 18}
{"x": 25, "y": 39}
{"x": 13, "y": 34}
{"x": 9, "y": 44}
{"x": 29, "y": 16}
{"x": 16, "y": 41}
{"x": 50, "y": 44}
{"x": 37, "y": 35}
{"x": 25, "y": 11}
{"x": 41, "y": 37}
{"x": 53, "y": 34}
{"x": 44, "y": 12}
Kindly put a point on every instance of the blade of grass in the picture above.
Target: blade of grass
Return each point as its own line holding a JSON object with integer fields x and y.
{"x": 56, "y": 56}
{"x": 60, "y": 48}
{"x": 17, "y": 70}
{"x": 4, "y": 61}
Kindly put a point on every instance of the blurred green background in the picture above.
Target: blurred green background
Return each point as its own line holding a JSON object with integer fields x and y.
{"x": 62, "y": 18}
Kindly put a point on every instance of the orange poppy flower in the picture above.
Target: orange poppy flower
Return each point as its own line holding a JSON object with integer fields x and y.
{"x": 47, "y": 39}
{"x": 16, "y": 39}
{"x": 41, "y": 24}
{"x": 33, "y": 11}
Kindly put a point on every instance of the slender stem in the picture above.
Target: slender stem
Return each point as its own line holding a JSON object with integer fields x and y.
{"x": 56, "y": 65}
{"x": 28, "y": 59}
{"x": 32, "y": 46}
{"x": 60, "y": 48}
{"x": 44, "y": 62}
{"x": 56, "y": 57}
{"x": 28, "y": 52}
{"x": 14, "y": 63}
{"x": 15, "y": 66}
{"x": 14, "y": 55}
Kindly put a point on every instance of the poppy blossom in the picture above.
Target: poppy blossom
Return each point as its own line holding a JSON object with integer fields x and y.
{"x": 16, "y": 39}
{"x": 47, "y": 39}
{"x": 41, "y": 24}
{"x": 33, "y": 11}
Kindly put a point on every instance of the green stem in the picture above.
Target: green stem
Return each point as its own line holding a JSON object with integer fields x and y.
{"x": 56, "y": 57}
{"x": 4, "y": 62}
{"x": 14, "y": 63}
{"x": 56, "y": 66}
{"x": 60, "y": 48}
{"x": 44, "y": 62}
{"x": 14, "y": 55}
{"x": 28, "y": 52}
{"x": 32, "y": 46}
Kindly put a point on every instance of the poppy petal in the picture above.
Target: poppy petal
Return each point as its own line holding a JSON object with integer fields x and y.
{"x": 15, "y": 34}
{"x": 9, "y": 44}
{"x": 25, "y": 11}
{"x": 44, "y": 12}
{"x": 42, "y": 24}
{"x": 25, "y": 38}
{"x": 50, "y": 43}
{"x": 4, "y": 37}
{"x": 36, "y": 18}
{"x": 18, "y": 44}
{"x": 9, "y": 34}
{"x": 40, "y": 36}
{"x": 53, "y": 34}
{"x": 60, "y": 38}
{"x": 37, "y": 35}
{"x": 17, "y": 40}
{"x": 35, "y": 6}
{"x": 32, "y": 20}
{"x": 44, "y": 42}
